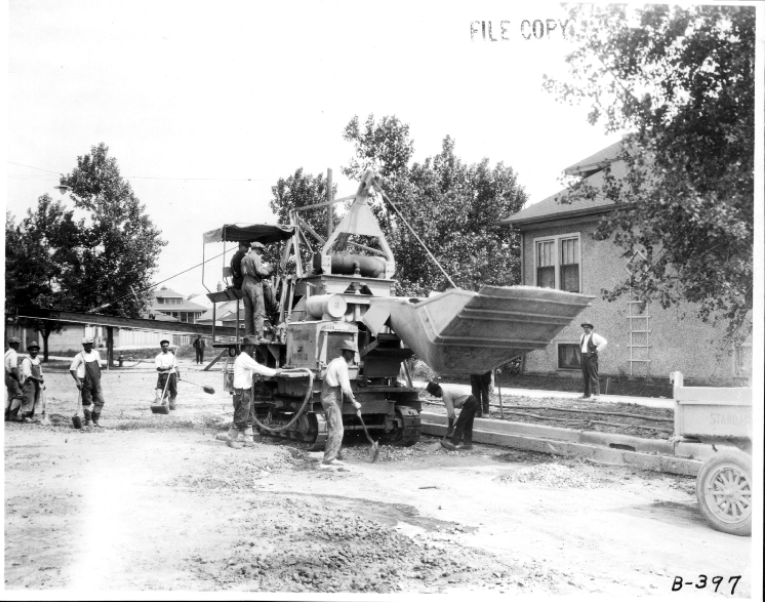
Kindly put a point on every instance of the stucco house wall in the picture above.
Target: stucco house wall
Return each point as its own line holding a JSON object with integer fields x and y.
{"x": 677, "y": 340}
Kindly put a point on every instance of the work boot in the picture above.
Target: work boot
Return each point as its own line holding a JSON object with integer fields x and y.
{"x": 230, "y": 435}
{"x": 486, "y": 410}
{"x": 448, "y": 445}
{"x": 94, "y": 418}
{"x": 234, "y": 444}
{"x": 464, "y": 446}
{"x": 248, "y": 442}
{"x": 86, "y": 415}
{"x": 172, "y": 404}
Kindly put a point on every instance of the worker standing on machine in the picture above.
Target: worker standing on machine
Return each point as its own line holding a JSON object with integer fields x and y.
{"x": 86, "y": 372}
{"x": 254, "y": 271}
{"x": 337, "y": 383}
{"x": 236, "y": 265}
{"x": 454, "y": 397}
{"x": 244, "y": 367}
{"x": 167, "y": 366}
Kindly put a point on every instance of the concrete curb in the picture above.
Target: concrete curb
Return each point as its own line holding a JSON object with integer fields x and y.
{"x": 645, "y": 454}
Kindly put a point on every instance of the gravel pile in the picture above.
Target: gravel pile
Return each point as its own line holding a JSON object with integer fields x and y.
{"x": 390, "y": 453}
{"x": 314, "y": 550}
{"x": 552, "y": 475}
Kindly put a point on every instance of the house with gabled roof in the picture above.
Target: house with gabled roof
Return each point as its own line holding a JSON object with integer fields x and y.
{"x": 169, "y": 303}
{"x": 559, "y": 251}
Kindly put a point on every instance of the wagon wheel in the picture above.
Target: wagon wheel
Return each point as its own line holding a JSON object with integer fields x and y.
{"x": 724, "y": 492}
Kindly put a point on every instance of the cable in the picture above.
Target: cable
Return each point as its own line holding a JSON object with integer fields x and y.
{"x": 385, "y": 196}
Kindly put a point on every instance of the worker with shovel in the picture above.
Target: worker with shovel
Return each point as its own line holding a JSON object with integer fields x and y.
{"x": 167, "y": 366}
{"x": 337, "y": 383}
{"x": 12, "y": 379}
{"x": 86, "y": 371}
{"x": 244, "y": 367}
{"x": 455, "y": 398}
{"x": 31, "y": 383}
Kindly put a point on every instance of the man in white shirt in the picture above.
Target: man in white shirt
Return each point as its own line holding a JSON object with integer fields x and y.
{"x": 12, "y": 379}
{"x": 31, "y": 382}
{"x": 86, "y": 372}
{"x": 455, "y": 398}
{"x": 590, "y": 344}
{"x": 337, "y": 383}
{"x": 168, "y": 373}
{"x": 244, "y": 368}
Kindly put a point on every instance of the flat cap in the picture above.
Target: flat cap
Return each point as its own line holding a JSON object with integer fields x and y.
{"x": 257, "y": 245}
{"x": 348, "y": 346}
{"x": 87, "y": 340}
{"x": 33, "y": 345}
{"x": 13, "y": 340}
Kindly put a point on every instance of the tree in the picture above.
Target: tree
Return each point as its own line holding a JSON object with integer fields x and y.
{"x": 120, "y": 250}
{"x": 453, "y": 207}
{"x": 300, "y": 190}
{"x": 681, "y": 79}
{"x": 39, "y": 254}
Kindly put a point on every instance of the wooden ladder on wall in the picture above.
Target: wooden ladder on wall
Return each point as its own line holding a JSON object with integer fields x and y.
{"x": 639, "y": 331}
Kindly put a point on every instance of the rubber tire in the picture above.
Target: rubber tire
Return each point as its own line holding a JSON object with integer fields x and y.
{"x": 737, "y": 460}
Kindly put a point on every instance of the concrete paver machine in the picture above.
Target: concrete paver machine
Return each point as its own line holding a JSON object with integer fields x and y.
{"x": 343, "y": 290}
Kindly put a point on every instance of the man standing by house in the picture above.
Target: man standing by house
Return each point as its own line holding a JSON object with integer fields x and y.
{"x": 31, "y": 382}
{"x": 199, "y": 348}
{"x": 236, "y": 265}
{"x": 590, "y": 344}
{"x": 337, "y": 383}
{"x": 244, "y": 368}
{"x": 12, "y": 379}
{"x": 455, "y": 398}
{"x": 254, "y": 271}
{"x": 167, "y": 366}
{"x": 86, "y": 371}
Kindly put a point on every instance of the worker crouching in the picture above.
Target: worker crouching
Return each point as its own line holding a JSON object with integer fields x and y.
{"x": 454, "y": 398}
{"x": 244, "y": 368}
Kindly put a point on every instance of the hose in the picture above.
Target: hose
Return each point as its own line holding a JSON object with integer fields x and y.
{"x": 299, "y": 413}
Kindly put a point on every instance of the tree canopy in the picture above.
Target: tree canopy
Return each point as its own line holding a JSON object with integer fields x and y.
{"x": 454, "y": 207}
{"x": 681, "y": 81}
{"x": 120, "y": 250}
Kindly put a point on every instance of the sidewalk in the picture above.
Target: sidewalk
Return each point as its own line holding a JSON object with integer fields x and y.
{"x": 508, "y": 393}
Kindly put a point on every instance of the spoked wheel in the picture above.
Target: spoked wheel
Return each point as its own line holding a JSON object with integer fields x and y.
{"x": 724, "y": 492}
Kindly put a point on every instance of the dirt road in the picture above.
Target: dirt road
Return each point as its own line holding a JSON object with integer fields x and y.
{"x": 155, "y": 503}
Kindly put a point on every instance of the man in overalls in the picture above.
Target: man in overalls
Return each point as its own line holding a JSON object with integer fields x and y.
{"x": 86, "y": 371}
{"x": 253, "y": 272}
{"x": 31, "y": 383}
{"x": 335, "y": 384}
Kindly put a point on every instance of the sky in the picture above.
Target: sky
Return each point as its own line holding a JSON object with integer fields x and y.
{"x": 205, "y": 105}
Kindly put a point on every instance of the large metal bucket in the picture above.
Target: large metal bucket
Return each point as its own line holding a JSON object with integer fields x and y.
{"x": 463, "y": 332}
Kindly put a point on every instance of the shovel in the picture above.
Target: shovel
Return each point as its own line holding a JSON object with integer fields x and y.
{"x": 436, "y": 446}
{"x": 375, "y": 450}
{"x": 162, "y": 408}
{"x": 76, "y": 420}
{"x": 208, "y": 390}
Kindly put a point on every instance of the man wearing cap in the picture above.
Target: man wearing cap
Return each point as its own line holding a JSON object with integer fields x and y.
{"x": 31, "y": 382}
{"x": 168, "y": 373}
{"x": 12, "y": 379}
{"x": 455, "y": 398}
{"x": 337, "y": 383}
{"x": 199, "y": 349}
{"x": 590, "y": 344}
{"x": 244, "y": 368}
{"x": 253, "y": 271}
{"x": 86, "y": 372}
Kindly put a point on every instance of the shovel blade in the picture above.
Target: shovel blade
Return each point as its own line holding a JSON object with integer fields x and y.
{"x": 77, "y": 422}
{"x": 160, "y": 409}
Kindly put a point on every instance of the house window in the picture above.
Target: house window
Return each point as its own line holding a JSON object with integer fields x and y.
{"x": 568, "y": 356}
{"x": 557, "y": 261}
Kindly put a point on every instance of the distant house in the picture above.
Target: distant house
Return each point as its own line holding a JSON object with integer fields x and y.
{"x": 168, "y": 303}
{"x": 558, "y": 251}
